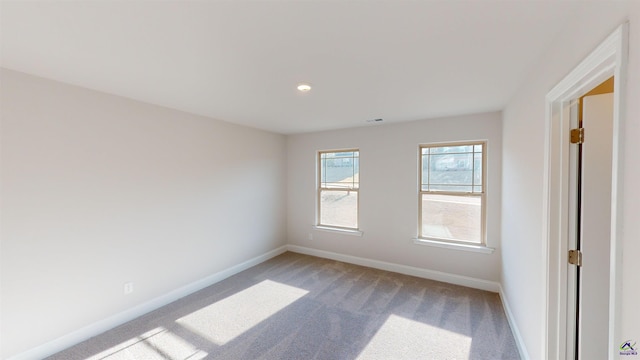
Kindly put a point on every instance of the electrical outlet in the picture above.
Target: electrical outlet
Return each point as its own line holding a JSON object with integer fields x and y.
{"x": 310, "y": 236}
{"x": 128, "y": 288}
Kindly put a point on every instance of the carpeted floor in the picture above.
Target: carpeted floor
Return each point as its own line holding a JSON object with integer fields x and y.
{"x": 301, "y": 307}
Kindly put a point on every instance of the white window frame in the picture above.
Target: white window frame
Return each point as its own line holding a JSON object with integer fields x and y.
{"x": 321, "y": 188}
{"x": 448, "y": 242}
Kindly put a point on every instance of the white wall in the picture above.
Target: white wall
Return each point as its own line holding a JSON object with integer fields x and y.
{"x": 389, "y": 192}
{"x": 98, "y": 190}
{"x": 523, "y": 160}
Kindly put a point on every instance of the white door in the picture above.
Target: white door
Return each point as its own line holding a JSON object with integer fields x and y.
{"x": 595, "y": 228}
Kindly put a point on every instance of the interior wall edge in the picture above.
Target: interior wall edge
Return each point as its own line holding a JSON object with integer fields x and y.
{"x": 522, "y": 348}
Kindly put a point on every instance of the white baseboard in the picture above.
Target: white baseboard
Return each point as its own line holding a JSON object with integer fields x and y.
{"x": 99, "y": 327}
{"x": 402, "y": 269}
{"x": 522, "y": 349}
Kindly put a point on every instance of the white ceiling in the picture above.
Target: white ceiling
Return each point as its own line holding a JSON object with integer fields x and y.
{"x": 240, "y": 61}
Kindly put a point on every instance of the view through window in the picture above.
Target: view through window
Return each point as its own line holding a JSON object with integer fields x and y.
{"x": 338, "y": 188}
{"x": 452, "y": 192}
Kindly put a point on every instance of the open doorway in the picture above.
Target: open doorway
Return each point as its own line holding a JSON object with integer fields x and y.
{"x": 561, "y": 218}
{"x": 589, "y": 218}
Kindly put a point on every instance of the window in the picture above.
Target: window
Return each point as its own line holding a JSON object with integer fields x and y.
{"x": 452, "y": 192}
{"x": 338, "y": 185}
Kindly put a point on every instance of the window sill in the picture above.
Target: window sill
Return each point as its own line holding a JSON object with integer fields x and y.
{"x": 455, "y": 246}
{"x": 339, "y": 230}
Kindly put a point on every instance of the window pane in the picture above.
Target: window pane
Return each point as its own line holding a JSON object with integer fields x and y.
{"x": 452, "y": 217}
{"x": 339, "y": 170}
{"x": 451, "y": 149}
{"x": 456, "y": 188}
{"x": 448, "y": 169}
{"x": 339, "y": 208}
{"x": 452, "y": 168}
{"x": 425, "y": 171}
{"x": 477, "y": 168}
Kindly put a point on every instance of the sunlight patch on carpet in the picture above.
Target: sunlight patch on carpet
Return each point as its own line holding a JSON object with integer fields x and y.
{"x": 158, "y": 343}
{"x": 229, "y": 318}
{"x": 402, "y": 338}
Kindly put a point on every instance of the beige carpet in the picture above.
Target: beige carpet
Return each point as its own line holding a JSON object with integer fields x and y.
{"x": 302, "y": 307}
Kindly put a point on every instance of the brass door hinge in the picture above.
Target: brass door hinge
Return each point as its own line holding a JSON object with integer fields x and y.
{"x": 577, "y": 136}
{"x": 575, "y": 257}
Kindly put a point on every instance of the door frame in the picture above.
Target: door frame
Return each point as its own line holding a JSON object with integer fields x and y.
{"x": 608, "y": 59}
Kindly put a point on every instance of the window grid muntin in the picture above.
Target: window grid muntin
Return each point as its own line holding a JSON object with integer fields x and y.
{"x": 481, "y": 193}
{"x": 355, "y": 158}
{"x": 473, "y": 153}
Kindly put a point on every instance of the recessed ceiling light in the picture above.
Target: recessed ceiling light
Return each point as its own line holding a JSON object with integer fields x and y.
{"x": 304, "y": 87}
